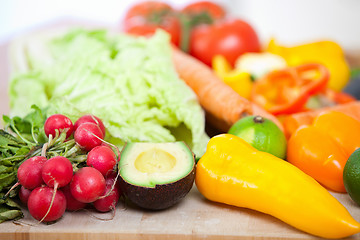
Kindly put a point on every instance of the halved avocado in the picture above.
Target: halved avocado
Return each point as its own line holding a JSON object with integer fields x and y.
{"x": 156, "y": 175}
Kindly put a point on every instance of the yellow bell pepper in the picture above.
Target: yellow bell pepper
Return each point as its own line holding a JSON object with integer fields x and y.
{"x": 328, "y": 53}
{"x": 233, "y": 172}
{"x": 239, "y": 81}
{"x": 221, "y": 66}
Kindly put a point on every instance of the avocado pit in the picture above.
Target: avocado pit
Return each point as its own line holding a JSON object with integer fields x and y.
{"x": 155, "y": 160}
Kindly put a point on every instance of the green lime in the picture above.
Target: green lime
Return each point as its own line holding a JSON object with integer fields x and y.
{"x": 263, "y": 134}
{"x": 351, "y": 176}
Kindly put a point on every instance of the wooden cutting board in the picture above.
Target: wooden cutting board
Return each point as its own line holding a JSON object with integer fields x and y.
{"x": 192, "y": 218}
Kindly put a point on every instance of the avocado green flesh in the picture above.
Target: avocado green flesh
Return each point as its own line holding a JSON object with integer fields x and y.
{"x": 151, "y": 164}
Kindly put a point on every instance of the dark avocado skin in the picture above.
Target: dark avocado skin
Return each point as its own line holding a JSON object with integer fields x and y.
{"x": 162, "y": 196}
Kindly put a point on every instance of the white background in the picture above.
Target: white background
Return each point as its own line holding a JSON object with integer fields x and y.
{"x": 290, "y": 21}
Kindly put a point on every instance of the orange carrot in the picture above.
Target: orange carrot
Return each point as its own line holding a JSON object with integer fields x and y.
{"x": 294, "y": 121}
{"x": 222, "y": 104}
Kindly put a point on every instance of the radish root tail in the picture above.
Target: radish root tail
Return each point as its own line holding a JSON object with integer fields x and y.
{"x": 51, "y": 203}
{"x": 112, "y": 188}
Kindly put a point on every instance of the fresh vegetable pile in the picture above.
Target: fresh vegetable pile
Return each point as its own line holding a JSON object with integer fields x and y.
{"x": 300, "y": 85}
{"x": 289, "y": 133}
{"x": 51, "y": 152}
{"x": 263, "y": 182}
{"x": 282, "y": 80}
{"x": 130, "y": 82}
{"x": 203, "y": 28}
{"x": 66, "y": 166}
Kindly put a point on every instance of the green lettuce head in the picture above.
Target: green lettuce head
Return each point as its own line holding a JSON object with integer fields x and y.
{"x": 130, "y": 83}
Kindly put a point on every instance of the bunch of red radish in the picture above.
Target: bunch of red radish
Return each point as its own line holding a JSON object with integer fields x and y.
{"x": 49, "y": 186}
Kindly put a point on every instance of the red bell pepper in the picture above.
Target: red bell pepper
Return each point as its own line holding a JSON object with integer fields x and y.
{"x": 287, "y": 91}
{"x": 339, "y": 97}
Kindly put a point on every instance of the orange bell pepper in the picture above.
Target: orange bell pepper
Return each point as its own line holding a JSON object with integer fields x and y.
{"x": 322, "y": 149}
{"x": 294, "y": 121}
{"x": 287, "y": 91}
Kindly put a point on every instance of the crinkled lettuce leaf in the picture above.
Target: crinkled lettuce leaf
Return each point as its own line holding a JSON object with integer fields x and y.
{"x": 130, "y": 83}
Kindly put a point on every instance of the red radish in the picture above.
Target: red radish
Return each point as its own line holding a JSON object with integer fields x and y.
{"x": 44, "y": 207}
{"x": 58, "y": 122}
{"x": 29, "y": 172}
{"x": 87, "y": 185}
{"x": 109, "y": 202}
{"x": 102, "y": 158}
{"x": 24, "y": 194}
{"x": 113, "y": 174}
{"x": 71, "y": 203}
{"x": 90, "y": 118}
{"x": 84, "y": 136}
{"x": 57, "y": 172}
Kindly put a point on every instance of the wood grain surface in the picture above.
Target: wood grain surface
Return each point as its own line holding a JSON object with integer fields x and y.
{"x": 192, "y": 218}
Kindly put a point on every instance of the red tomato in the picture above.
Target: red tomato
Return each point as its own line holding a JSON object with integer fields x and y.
{"x": 145, "y": 17}
{"x": 229, "y": 38}
{"x": 146, "y": 8}
{"x": 216, "y": 11}
{"x": 169, "y": 24}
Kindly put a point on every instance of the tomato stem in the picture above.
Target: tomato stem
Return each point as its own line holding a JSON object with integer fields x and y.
{"x": 185, "y": 33}
{"x": 157, "y": 17}
{"x": 188, "y": 22}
